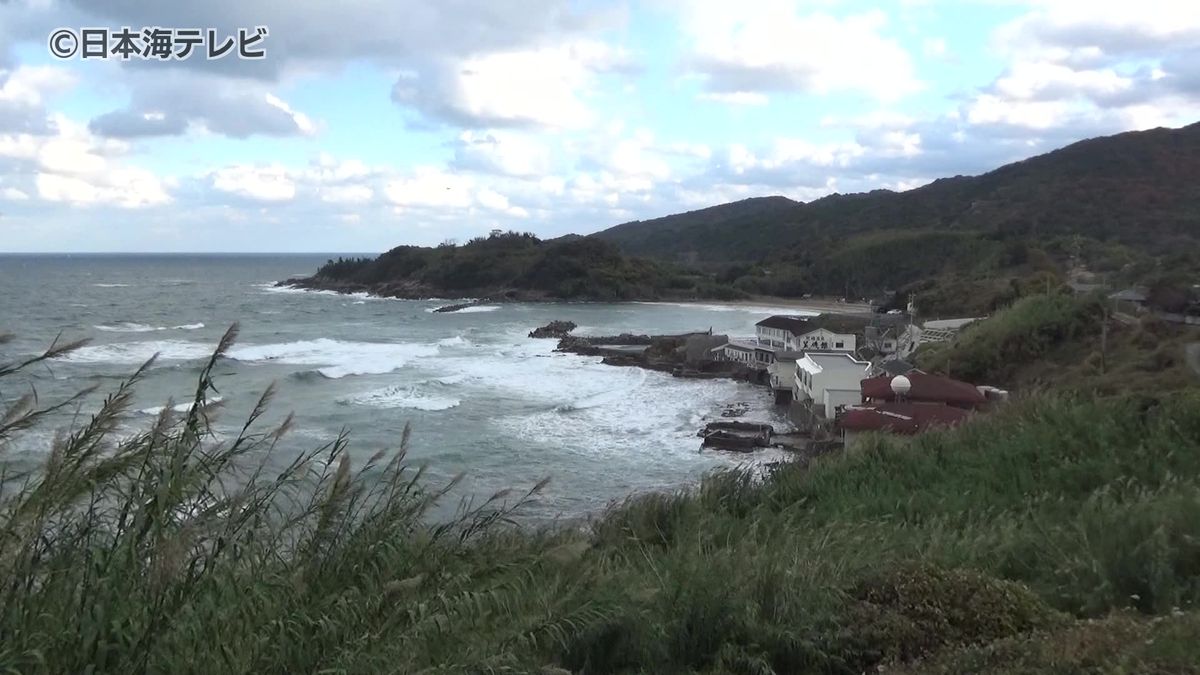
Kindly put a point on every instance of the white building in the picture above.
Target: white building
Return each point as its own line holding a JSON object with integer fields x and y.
{"x": 800, "y": 333}
{"x": 944, "y": 330}
{"x": 782, "y": 375}
{"x": 825, "y": 381}
{"x": 749, "y": 352}
{"x": 898, "y": 339}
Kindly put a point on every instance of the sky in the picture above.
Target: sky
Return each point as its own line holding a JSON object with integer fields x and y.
{"x": 373, "y": 123}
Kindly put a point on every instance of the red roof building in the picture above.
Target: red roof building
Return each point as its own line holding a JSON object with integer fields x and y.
{"x": 900, "y": 418}
{"x": 925, "y": 388}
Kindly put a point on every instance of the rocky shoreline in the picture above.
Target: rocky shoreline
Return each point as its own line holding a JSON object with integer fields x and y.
{"x": 685, "y": 355}
{"x": 682, "y": 355}
{"x": 408, "y": 290}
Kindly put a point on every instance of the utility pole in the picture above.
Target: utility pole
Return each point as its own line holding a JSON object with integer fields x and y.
{"x": 1104, "y": 340}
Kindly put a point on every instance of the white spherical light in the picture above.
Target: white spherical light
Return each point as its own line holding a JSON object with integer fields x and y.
{"x": 901, "y": 385}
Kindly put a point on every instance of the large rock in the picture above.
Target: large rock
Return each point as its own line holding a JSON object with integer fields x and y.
{"x": 554, "y": 329}
{"x": 454, "y": 308}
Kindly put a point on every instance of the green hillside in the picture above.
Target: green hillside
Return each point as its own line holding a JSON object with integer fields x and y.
{"x": 1136, "y": 188}
{"x": 1122, "y": 204}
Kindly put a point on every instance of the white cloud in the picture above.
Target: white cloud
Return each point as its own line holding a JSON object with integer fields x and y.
{"x": 13, "y": 195}
{"x": 1042, "y": 80}
{"x": 935, "y": 47}
{"x": 31, "y": 85}
{"x": 736, "y": 97}
{"x": 534, "y": 87}
{"x": 303, "y": 123}
{"x": 991, "y": 109}
{"x": 767, "y": 46}
{"x": 74, "y": 167}
{"x": 1085, "y": 29}
{"x": 168, "y": 102}
{"x": 503, "y": 152}
{"x": 264, "y": 183}
{"x": 347, "y": 194}
{"x": 430, "y": 187}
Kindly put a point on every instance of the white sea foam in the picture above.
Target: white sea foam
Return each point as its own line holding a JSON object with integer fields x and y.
{"x": 473, "y": 309}
{"x": 451, "y": 379}
{"x": 179, "y": 408}
{"x": 402, "y": 396}
{"x": 111, "y": 285}
{"x": 130, "y": 327}
{"x": 338, "y": 358}
{"x": 139, "y": 352}
{"x": 272, "y": 288}
{"x": 456, "y": 341}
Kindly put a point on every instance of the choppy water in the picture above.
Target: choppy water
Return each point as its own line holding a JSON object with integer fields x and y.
{"x": 482, "y": 397}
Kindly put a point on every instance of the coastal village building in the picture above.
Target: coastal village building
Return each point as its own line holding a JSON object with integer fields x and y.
{"x": 782, "y": 375}
{"x": 1130, "y": 300}
{"x": 911, "y": 403}
{"x": 896, "y": 418}
{"x": 897, "y": 338}
{"x": 823, "y": 383}
{"x": 923, "y": 388}
{"x": 823, "y": 332}
{"x": 943, "y": 330}
{"x": 748, "y": 352}
{"x": 891, "y": 367}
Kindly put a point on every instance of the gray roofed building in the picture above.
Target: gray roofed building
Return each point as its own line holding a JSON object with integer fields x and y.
{"x": 1136, "y": 295}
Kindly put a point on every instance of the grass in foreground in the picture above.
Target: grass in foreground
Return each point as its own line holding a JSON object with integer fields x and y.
{"x": 1056, "y": 536}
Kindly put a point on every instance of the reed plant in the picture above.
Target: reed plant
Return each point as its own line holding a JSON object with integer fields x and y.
{"x": 977, "y": 549}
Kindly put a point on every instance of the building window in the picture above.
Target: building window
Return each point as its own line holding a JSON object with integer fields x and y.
{"x": 838, "y": 345}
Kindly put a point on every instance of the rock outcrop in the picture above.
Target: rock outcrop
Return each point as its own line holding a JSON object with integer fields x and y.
{"x": 554, "y": 329}
{"x": 739, "y": 436}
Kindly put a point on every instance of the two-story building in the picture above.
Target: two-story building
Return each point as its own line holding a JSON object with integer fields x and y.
{"x": 821, "y": 332}
{"x": 823, "y": 383}
{"x": 781, "y": 375}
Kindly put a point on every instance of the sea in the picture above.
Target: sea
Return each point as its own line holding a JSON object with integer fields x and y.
{"x": 483, "y": 400}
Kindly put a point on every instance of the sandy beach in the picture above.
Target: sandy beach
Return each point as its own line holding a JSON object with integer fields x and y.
{"x": 773, "y": 305}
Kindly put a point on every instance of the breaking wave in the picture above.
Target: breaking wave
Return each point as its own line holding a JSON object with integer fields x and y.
{"x": 337, "y": 358}
{"x": 130, "y": 327}
{"x": 402, "y": 396}
{"x": 139, "y": 352}
{"x": 180, "y": 408}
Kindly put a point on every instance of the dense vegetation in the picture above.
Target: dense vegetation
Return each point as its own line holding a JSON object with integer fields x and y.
{"x": 1126, "y": 206}
{"x": 521, "y": 265}
{"x": 1059, "y": 535}
{"x": 1067, "y": 342}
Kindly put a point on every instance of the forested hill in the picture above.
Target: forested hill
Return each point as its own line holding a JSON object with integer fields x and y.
{"x": 1125, "y": 208}
{"x": 1138, "y": 188}
{"x": 740, "y": 230}
{"x": 516, "y": 266}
